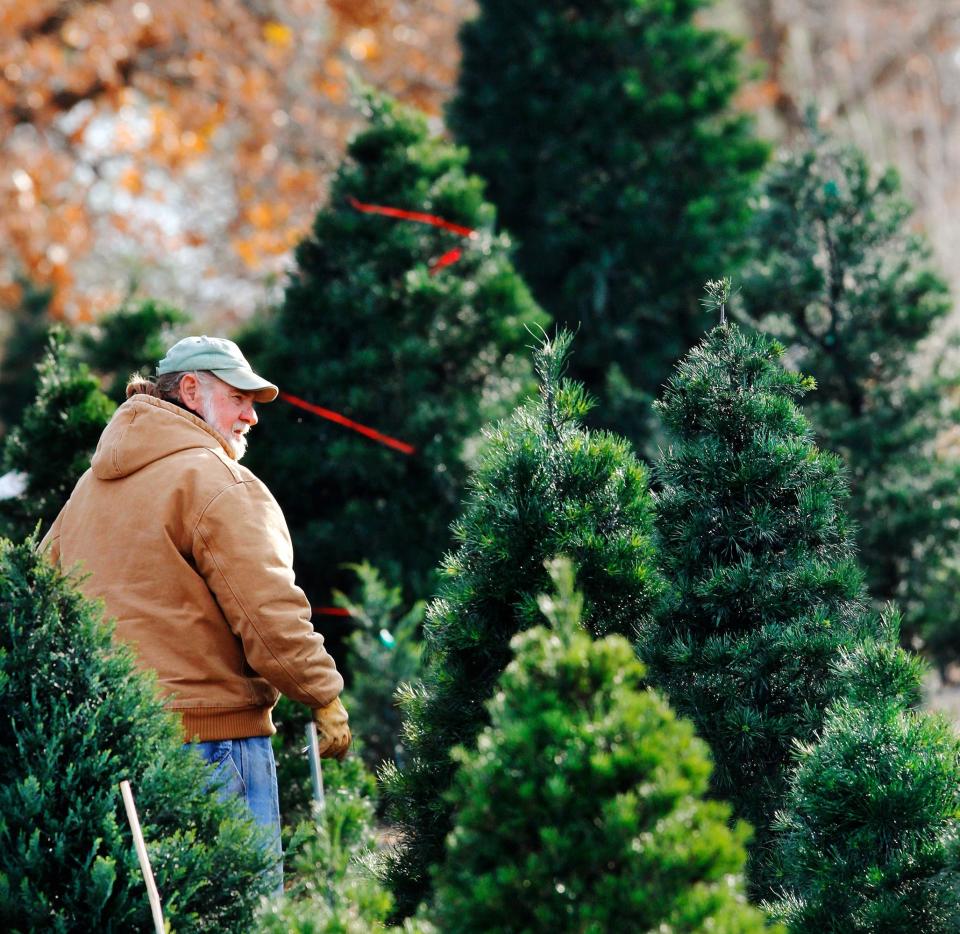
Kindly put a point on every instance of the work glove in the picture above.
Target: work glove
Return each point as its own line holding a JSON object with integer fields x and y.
{"x": 333, "y": 734}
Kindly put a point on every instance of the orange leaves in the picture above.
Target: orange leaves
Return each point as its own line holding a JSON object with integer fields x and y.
{"x": 138, "y": 136}
{"x": 278, "y": 34}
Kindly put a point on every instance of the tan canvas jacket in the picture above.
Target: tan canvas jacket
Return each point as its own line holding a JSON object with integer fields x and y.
{"x": 191, "y": 555}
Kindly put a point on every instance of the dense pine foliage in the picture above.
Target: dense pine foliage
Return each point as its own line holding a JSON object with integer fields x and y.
{"x": 765, "y": 592}
{"x": 55, "y": 439}
{"x": 545, "y": 485}
{"x": 578, "y": 763}
{"x": 869, "y": 833}
{"x": 613, "y": 155}
{"x": 369, "y": 329}
{"x": 77, "y": 719}
{"x": 842, "y": 279}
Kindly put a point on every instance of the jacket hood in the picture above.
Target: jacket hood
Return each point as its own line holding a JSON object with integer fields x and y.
{"x": 145, "y": 429}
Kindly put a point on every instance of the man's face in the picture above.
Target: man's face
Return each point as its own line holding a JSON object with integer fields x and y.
{"x": 230, "y": 411}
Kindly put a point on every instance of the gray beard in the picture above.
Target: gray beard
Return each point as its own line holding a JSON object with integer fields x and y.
{"x": 237, "y": 445}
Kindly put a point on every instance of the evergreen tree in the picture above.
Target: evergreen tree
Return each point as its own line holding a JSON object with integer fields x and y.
{"x": 55, "y": 440}
{"x": 840, "y": 277}
{"x": 24, "y": 348}
{"x": 383, "y": 652}
{"x": 370, "y": 329}
{"x": 766, "y": 593}
{"x": 612, "y": 153}
{"x": 328, "y": 889}
{"x": 544, "y": 485}
{"x": 132, "y": 339}
{"x": 869, "y": 835}
{"x": 578, "y": 764}
{"x": 76, "y": 719}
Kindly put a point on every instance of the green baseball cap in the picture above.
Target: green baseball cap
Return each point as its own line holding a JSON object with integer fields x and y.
{"x": 221, "y": 357}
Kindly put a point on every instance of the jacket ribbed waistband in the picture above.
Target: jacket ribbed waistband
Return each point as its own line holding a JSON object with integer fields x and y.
{"x": 202, "y": 724}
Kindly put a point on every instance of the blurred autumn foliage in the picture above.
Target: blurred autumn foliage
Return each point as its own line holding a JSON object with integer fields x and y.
{"x": 181, "y": 147}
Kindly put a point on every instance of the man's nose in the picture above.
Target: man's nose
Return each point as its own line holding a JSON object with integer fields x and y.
{"x": 249, "y": 415}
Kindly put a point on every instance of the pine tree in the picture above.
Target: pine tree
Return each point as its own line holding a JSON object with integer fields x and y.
{"x": 132, "y": 339}
{"x": 372, "y": 327}
{"x": 578, "y": 763}
{"x": 613, "y": 155}
{"x": 55, "y": 440}
{"x": 840, "y": 277}
{"x": 329, "y": 890}
{"x": 868, "y": 837}
{"x": 76, "y": 719}
{"x": 25, "y": 344}
{"x": 766, "y": 592}
{"x": 383, "y": 652}
{"x": 545, "y": 485}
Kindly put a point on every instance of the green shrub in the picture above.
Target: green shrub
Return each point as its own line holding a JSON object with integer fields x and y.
{"x": 544, "y": 485}
{"x": 581, "y": 807}
{"x": 365, "y": 329}
{"x": 383, "y": 652}
{"x": 55, "y": 439}
{"x": 329, "y": 890}
{"x": 614, "y": 156}
{"x": 869, "y": 834}
{"x": 766, "y": 595}
{"x": 76, "y": 719}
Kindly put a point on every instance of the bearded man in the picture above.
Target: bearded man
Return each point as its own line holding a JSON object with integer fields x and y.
{"x": 191, "y": 555}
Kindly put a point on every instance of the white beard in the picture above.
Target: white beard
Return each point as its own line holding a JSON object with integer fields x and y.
{"x": 238, "y": 443}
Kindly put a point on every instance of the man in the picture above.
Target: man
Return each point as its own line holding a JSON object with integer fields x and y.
{"x": 191, "y": 555}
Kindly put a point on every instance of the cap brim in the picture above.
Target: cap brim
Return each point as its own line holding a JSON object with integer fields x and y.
{"x": 248, "y": 381}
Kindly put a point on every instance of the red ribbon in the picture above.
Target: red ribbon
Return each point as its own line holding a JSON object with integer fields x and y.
{"x": 418, "y": 216}
{"x": 401, "y": 446}
{"x": 448, "y": 259}
{"x": 329, "y": 611}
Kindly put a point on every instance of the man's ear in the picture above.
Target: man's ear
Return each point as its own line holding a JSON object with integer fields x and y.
{"x": 189, "y": 389}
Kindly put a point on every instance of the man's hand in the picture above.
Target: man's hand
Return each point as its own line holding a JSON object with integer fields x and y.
{"x": 334, "y": 737}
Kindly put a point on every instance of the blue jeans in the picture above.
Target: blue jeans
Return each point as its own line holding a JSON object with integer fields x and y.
{"x": 246, "y": 768}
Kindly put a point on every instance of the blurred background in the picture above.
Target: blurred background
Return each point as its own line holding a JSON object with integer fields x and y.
{"x": 179, "y": 149}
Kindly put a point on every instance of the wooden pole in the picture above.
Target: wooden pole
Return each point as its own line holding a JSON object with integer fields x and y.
{"x": 141, "y": 847}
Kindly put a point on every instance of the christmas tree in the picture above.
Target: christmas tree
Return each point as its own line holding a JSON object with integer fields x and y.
{"x": 25, "y": 345}
{"x": 131, "y": 339}
{"x": 77, "y": 718}
{"x": 55, "y": 440}
{"x": 613, "y": 155}
{"x": 578, "y": 764}
{"x": 766, "y": 593}
{"x": 843, "y": 280}
{"x": 545, "y": 485}
{"x": 383, "y": 652}
{"x": 328, "y": 889}
{"x": 381, "y": 325}
{"x": 868, "y": 835}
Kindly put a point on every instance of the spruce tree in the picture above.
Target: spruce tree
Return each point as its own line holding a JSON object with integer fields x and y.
{"x": 24, "y": 347}
{"x": 328, "y": 889}
{"x": 544, "y": 485}
{"x": 578, "y": 763}
{"x": 766, "y": 593}
{"x": 841, "y": 277}
{"x": 869, "y": 836}
{"x": 55, "y": 440}
{"x": 131, "y": 339}
{"x": 76, "y": 719}
{"x": 613, "y": 155}
{"x": 373, "y": 328}
{"x": 383, "y": 652}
